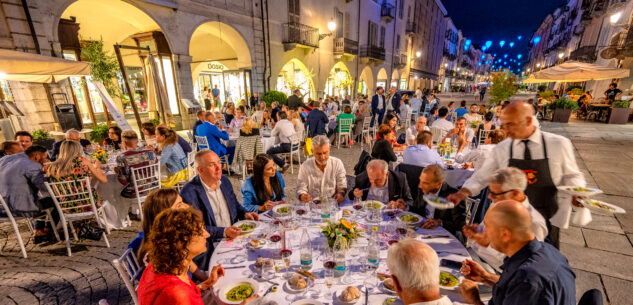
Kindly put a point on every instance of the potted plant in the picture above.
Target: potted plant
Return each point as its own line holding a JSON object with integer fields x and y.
{"x": 562, "y": 109}
{"x": 99, "y": 133}
{"x": 274, "y": 96}
{"x": 619, "y": 113}
{"x": 43, "y": 138}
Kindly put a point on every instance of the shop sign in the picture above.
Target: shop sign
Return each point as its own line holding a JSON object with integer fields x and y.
{"x": 216, "y": 67}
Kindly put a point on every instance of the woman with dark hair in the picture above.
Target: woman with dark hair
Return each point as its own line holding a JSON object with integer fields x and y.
{"x": 487, "y": 124}
{"x": 149, "y": 130}
{"x": 382, "y": 148}
{"x": 176, "y": 237}
{"x": 264, "y": 187}
{"x": 171, "y": 156}
{"x": 114, "y": 137}
{"x": 391, "y": 120}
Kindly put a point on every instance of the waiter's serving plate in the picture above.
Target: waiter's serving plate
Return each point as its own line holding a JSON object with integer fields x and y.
{"x": 601, "y": 206}
{"x": 580, "y": 191}
{"x": 437, "y": 202}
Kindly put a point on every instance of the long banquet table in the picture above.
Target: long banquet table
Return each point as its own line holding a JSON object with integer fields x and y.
{"x": 234, "y": 255}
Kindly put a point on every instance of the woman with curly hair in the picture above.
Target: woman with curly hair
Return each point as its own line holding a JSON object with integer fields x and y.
{"x": 177, "y": 236}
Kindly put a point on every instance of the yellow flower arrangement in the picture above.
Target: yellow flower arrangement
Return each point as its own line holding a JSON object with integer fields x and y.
{"x": 445, "y": 149}
{"x": 101, "y": 155}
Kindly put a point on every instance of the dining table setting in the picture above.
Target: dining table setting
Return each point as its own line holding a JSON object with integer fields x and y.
{"x": 325, "y": 253}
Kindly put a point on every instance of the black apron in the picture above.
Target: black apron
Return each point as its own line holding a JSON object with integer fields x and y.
{"x": 541, "y": 190}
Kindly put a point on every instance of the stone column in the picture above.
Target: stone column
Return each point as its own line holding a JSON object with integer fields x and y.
{"x": 184, "y": 79}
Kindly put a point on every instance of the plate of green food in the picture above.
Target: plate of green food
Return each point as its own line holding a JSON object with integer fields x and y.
{"x": 390, "y": 301}
{"x": 373, "y": 204}
{"x": 437, "y": 202}
{"x": 580, "y": 191}
{"x": 601, "y": 206}
{"x": 411, "y": 219}
{"x": 450, "y": 278}
{"x": 237, "y": 290}
{"x": 282, "y": 210}
{"x": 247, "y": 226}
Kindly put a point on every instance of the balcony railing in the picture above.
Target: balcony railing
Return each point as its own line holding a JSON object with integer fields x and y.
{"x": 400, "y": 60}
{"x": 372, "y": 52}
{"x": 411, "y": 27}
{"x": 294, "y": 32}
{"x": 345, "y": 45}
{"x": 387, "y": 11}
{"x": 584, "y": 54}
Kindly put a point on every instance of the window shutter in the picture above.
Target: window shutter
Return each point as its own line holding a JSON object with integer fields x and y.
{"x": 347, "y": 29}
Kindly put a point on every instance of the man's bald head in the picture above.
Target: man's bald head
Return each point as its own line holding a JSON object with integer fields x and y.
{"x": 517, "y": 120}
{"x": 508, "y": 223}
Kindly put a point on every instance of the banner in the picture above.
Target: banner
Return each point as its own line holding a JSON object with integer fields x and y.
{"x": 118, "y": 117}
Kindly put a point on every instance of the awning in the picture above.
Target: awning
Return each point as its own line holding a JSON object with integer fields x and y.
{"x": 533, "y": 80}
{"x": 29, "y": 67}
{"x": 574, "y": 71}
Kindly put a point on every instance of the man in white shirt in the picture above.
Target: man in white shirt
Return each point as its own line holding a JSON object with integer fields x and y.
{"x": 412, "y": 132}
{"x": 421, "y": 154}
{"x": 213, "y": 195}
{"x": 477, "y": 156}
{"x": 442, "y": 123}
{"x": 548, "y": 162}
{"x": 460, "y": 130}
{"x": 406, "y": 260}
{"x": 321, "y": 175}
{"x": 473, "y": 115}
{"x": 505, "y": 184}
{"x": 284, "y": 129}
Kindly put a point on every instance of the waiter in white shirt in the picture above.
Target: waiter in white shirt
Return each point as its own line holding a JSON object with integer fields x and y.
{"x": 547, "y": 160}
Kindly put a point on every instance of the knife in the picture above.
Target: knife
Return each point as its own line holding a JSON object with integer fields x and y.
{"x": 366, "y": 296}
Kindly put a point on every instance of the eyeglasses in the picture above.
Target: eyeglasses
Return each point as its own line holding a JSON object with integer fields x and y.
{"x": 493, "y": 194}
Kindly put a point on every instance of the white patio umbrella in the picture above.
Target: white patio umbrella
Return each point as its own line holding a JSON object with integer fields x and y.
{"x": 574, "y": 71}
{"x": 29, "y": 67}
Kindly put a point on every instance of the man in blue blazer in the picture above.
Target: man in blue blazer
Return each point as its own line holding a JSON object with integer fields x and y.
{"x": 378, "y": 106}
{"x": 213, "y": 195}
{"x": 213, "y": 134}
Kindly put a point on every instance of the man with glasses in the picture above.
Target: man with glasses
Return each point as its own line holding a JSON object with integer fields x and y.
{"x": 213, "y": 195}
{"x": 547, "y": 160}
{"x": 505, "y": 184}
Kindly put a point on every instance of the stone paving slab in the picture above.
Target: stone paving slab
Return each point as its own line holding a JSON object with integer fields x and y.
{"x": 599, "y": 261}
{"x": 620, "y": 291}
{"x": 588, "y": 280}
{"x": 611, "y": 242}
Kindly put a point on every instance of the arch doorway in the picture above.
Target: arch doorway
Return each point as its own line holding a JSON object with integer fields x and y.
{"x": 90, "y": 23}
{"x": 394, "y": 79}
{"x": 339, "y": 82}
{"x": 381, "y": 79}
{"x": 220, "y": 59}
{"x": 365, "y": 84}
{"x": 295, "y": 75}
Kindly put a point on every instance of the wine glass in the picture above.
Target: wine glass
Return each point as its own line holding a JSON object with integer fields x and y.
{"x": 285, "y": 258}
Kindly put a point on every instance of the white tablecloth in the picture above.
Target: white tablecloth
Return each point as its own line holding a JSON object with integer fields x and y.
{"x": 227, "y": 251}
{"x": 453, "y": 177}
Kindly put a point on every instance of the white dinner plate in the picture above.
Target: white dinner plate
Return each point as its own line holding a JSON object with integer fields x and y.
{"x": 230, "y": 284}
{"x": 456, "y": 274}
{"x": 278, "y": 207}
{"x": 290, "y": 289}
{"x": 386, "y": 301}
{"x": 373, "y": 203}
{"x": 410, "y": 224}
{"x": 307, "y": 302}
{"x": 246, "y": 222}
{"x": 262, "y": 243}
{"x": 384, "y": 289}
{"x": 337, "y": 296}
{"x": 601, "y": 206}
{"x": 580, "y": 191}
{"x": 439, "y": 203}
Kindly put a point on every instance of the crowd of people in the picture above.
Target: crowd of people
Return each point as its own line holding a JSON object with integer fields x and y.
{"x": 517, "y": 237}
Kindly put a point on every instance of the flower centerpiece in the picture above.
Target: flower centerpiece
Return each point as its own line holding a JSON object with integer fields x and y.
{"x": 475, "y": 124}
{"x": 445, "y": 149}
{"x": 101, "y": 155}
{"x": 348, "y": 230}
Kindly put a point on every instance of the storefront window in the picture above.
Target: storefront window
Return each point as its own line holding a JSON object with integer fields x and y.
{"x": 403, "y": 84}
{"x": 234, "y": 85}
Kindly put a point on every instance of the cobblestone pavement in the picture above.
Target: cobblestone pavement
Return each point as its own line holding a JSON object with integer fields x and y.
{"x": 599, "y": 253}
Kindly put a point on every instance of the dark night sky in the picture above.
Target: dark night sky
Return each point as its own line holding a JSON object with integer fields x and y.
{"x": 482, "y": 20}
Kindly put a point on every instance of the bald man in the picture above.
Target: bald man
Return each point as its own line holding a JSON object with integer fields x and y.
{"x": 534, "y": 273}
{"x": 547, "y": 160}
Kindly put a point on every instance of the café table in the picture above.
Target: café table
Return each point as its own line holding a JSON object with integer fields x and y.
{"x": 455, "y": 175}
{"x": 239, "y": 260}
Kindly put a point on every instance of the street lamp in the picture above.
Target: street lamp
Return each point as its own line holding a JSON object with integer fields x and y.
{"x": 418, "y": 54}
{"x": 615, "y": 17}
{"x": 561, "y": 55}
{"x": 331, "y": 26}
{"x": 528, "y": 70}
{"x": 538, "y": 65}
{"x": 445, "y": 65}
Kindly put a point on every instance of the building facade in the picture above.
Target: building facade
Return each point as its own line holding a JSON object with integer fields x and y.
{"x": 323, "y": 47}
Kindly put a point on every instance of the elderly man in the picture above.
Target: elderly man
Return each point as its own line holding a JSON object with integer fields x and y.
{"x": 213, "y": 195}
{"x": 412, "y": 132}
{"x": 547, "y": 159}
{"x": 321, "y": 175}
{"x": 25, "y": 139}
{"x": 432, "y": 183}
{"x": 473, "y": 114}
{"x": 381, "y": 184}
{"x": 533, "y": 272}
{"x": 71, "y": 135}
{"x": 460, "y": 131}
{"x": 415, "y": 268}
{"x": 505, "y": 184}
{"x": 283, "y": 131}
{"x": 213, "y": 134}
{"x": 393, "y": 101}
{"x": 422, "y": 154}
